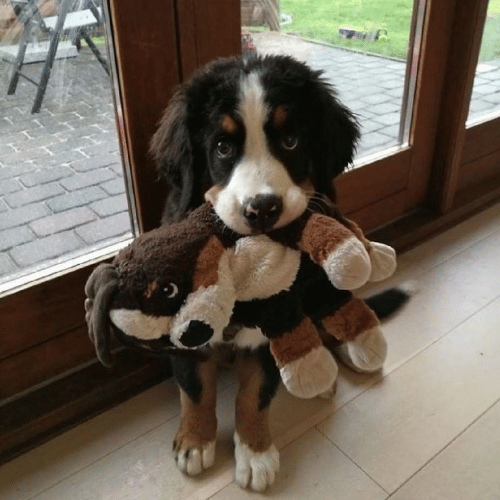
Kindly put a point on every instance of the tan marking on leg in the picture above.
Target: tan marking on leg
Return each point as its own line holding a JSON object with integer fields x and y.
{"x": 252, "y": 424}
{"x": 295, "y": 344}
{"x": 198, "y": 424}
{"x": 352, "y": 319}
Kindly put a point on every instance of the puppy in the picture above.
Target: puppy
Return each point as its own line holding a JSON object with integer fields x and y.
{"x": 259, "y": 139}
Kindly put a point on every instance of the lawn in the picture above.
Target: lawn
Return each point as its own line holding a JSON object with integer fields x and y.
{"x": 321, "y": 20}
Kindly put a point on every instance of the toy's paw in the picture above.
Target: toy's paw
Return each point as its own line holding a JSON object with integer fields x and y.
{"x": 349, "y": 266}
{"x": 194, "y": 457}
{"x": 330, "y": 393}
{"x": 196, "y": 334}
{"x": 365, "y": 354}
{"x": 255, "y": 470}
{"x": 383, "y": 259}
{"x": 311, "y": 375}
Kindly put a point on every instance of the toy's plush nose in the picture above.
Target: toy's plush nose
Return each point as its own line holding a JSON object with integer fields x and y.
{"x": 262, "y": 211}
{"x": 197, "y": 334}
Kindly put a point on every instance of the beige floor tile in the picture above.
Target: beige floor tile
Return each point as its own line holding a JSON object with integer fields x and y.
{"x": 312, "y": 468}
{"x": 446, "y": 296}
{"x": 469, "y": 468}
{"x": 66, "y": 454}
{"x": 399, "y": 424}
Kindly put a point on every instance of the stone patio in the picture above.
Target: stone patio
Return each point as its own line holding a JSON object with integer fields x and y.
{"x": 61, "y": 179}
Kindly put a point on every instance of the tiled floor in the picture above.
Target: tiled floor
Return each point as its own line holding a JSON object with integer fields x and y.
{"x": 427, "y": 428}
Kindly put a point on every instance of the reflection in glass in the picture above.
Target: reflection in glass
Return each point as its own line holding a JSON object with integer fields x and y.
{"x": 486, "y": 91}
{"x": 362, "y": 48}
{"x": 62, "y": 190}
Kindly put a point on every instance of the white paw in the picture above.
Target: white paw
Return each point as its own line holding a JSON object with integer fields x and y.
{"x": 349, "y": 267}
{"x": 330, "y": 393}
{"x": 383, "y": 259}
{"x": 253, "y": 469}
{"x": 365, "y": 354}
{"x": 193, "y": 461}
{"x": 311, "y": 375}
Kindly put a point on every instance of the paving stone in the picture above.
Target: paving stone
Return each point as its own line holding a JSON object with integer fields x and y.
{"x": 76, "y": 198}
{"x": 15, "y": 236}
{"x": 385, "y": 108}
{"x": 87, "y": 179}
{"x": 103, "y": 148}
{"x": 31, "y": 195}
{"x": 7, "y": 265}
{"x": 62, "y": 158}
{"x": 6, "y": 150}
{"x": 102, "y": 229}
{"x": 15, "y": 171}
{"x": 22, "y": 215}
{"x": 390, "y": 119}
{"x": 45, "y": 175}
{"x": 62, "y": 221}
{"x": 10, "y": 186}
{"x": 3, "y": 206}
{"x": 373, "y": 99}
{"x": 24, "y": 155}
{"x": 105, "y": 160}
{"x": 70, "y": 145}
{"x": 116, "y": 186}
{"x": 110, "y": 206}
{"x": 14, "y": 138}
{"x": 41, "y": 250}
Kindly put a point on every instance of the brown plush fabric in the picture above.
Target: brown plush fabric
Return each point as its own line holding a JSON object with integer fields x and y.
{"x": 359, "y": 233}
{"x": 321, "y": 236}
{"x": 352, "y": 319}
{"x": 206, "y": 270}
{"x": 295, "y": 344}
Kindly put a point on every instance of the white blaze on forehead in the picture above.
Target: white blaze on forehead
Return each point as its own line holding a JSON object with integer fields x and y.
{"x": 254, "y": 111}
{"x": 135, "y": 323}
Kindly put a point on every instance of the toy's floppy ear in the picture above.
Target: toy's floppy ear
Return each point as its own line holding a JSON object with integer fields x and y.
{"x": 100, "y": 290}
{"x": 172, "y": 149}
{"x": 336, "y": 137}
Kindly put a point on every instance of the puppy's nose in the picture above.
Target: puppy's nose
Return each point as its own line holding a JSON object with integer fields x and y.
{"x": 262, "y": 211}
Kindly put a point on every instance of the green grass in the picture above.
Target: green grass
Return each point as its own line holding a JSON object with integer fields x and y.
{"x": 321, "y": 19}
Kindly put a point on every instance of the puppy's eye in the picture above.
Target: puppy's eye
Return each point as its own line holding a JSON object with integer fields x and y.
{"x": 225, "y": 149}
{"x": 289, "y": 142}
{"x": 171, "y": 290}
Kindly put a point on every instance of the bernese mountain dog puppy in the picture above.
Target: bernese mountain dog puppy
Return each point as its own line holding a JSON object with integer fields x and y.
{"x": 260, "y": 139}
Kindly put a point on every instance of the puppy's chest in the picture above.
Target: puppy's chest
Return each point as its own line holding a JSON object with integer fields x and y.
{"x": 262, "y": 267}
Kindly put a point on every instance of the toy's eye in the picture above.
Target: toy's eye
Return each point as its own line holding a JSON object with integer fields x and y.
{"x": 289, "y": 142}
{"x": 171, "y": 290}
{"x": 225, "y": 149}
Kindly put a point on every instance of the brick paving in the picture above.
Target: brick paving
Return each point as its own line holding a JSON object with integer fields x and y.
{"x": 61, "y": 180}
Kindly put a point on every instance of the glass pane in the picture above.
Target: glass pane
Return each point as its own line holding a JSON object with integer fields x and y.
{"x": 62, "y": 189}
{"x": 486, "y": 91}
{"x": 362, "y": 46}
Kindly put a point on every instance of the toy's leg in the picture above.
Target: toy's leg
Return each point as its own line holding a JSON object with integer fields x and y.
{"x": 194, "y": 443}
{"x": 257, "y": 459}
{"x": 364, "y": 348}
{"x": 307, "y": 368}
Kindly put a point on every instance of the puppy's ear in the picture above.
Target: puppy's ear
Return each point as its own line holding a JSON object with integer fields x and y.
{"x": 337, "y": 134}
{"x": 100, "y": 290}
{"x": 172, "y": 149}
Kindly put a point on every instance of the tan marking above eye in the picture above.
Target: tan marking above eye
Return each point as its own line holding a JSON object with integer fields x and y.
{"x": 229, "y": 125}
{"x": 280, "y": 115}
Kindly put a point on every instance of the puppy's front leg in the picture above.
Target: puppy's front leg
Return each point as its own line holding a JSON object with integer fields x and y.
{"x": 194, "y": 443}
{"x": 257, "y": 459}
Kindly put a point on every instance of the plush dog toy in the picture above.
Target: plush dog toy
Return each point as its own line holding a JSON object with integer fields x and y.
{"x": 181, "y": 285}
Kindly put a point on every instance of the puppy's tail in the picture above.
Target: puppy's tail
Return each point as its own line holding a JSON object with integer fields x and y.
{"x": 388, "y": 302}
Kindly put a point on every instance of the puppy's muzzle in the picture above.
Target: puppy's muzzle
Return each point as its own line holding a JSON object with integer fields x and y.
{"x": 263, "y": 211}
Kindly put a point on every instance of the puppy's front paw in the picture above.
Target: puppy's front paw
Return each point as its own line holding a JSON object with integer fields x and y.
{"x": 255, "y": 470}
{"x": 311, "y": 375}
{"x": 193, "y": 458}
